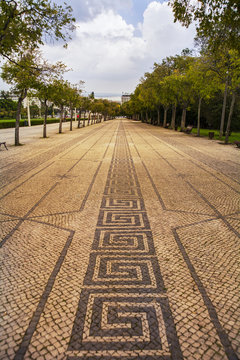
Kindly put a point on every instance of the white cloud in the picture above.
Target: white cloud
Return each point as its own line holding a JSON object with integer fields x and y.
{"x": 106, "y": 53}
{"x": 162, "y": 35}
{"x": 86, "y": 10}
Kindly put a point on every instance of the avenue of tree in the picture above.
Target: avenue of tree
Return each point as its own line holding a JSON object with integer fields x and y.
{"x": 183, "y": 82}
{"x": 186, "y": 82}
{"x": 23, "y": 26}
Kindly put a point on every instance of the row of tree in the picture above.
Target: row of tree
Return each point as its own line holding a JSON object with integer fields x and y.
{"x": 185, "y": 82}
{"x": 24, "y": 25}
{"x": 32, "y": 76}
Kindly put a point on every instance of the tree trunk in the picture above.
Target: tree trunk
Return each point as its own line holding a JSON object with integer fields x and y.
{"x": 147, "y": 116}
{"x": 61, "y": 119}
{"x": 158, "y": 112}
{"x": 45, "y": 119}
{"x": 199, "y": 116}
{"x": 230, "y": 117}
{"x": 173, "y": 121}
{"x": 28, "y": 112}
{"x": 223, "y": 109}
{"x": 183, "y": 120}
{"x": 165, "y": 117}
{"x": 89, "y": 117}
{"x": 18, "y": 115}
{"x": 151, "y": 118}
{"x": 79, "y": 118}
{"x": 71, "y": 118}
{"x": 84, "y": 115}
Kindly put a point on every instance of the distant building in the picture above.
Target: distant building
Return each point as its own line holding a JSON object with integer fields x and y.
{"x": 32, "y": 100}
{"x": 125, "y": 98}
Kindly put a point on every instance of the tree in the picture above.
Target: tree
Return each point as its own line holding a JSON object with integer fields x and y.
{"x": 234, "y": 88}
{"x": 204, "y": 84}
{"x": 216, "y": 19}
{"x": 73, "y": 99}
{"x": 148, "y": 95}
{"x": 171, "y": 92}
{"x": 59, "y": 95}
{"x": 26, "y": 21}
{"x": 224, "y": 62}
{"x": 8, "y": 107}
{"x": 18, "y": 75}
{"x": 45, "y": 88}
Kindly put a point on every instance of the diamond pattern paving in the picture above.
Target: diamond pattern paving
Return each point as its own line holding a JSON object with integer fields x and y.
{"x": 120, "y": 242}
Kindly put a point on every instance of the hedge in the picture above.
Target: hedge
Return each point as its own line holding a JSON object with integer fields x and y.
{"x": 11, "y": 123}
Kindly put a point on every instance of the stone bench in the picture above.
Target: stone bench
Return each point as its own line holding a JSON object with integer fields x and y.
{"x": 188, "y": 129}
{"x": 4, "y": 144}
{"x": 237, "y": 143}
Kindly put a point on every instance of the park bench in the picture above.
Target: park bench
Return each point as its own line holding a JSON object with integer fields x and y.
{"x": 3, "y": 143}
{"x": 188, "y": 129}
{"x": 237, "y": 143}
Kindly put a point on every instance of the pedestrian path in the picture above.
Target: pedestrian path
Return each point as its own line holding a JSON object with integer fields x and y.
{"x": 120, "y": 241}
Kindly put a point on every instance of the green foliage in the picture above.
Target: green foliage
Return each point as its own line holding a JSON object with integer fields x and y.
{"x": 192, "y": 83}
{"x": 8, "y": 107}
{"x": 19, "y": 75}
{"x": 217, "y": 20}
{"x": 235, "y": 136}
{"x": 4, "y": 124}
{"x": 24, "y": 22}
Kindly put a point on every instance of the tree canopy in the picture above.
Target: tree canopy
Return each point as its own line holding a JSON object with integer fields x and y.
{"x": 25, "y": 22}
{"x": 218, "y": 20}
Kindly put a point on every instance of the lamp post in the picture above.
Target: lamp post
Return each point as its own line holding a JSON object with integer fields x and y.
{"x": 28, "y": 112}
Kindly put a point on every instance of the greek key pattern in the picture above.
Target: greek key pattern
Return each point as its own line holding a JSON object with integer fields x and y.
{"x": 123, "y": 310}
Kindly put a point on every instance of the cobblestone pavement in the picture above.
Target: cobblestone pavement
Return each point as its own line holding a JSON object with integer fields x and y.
{"x": 120, "y": 241}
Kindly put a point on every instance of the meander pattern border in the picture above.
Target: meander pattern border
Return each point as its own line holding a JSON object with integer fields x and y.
{"x": 123, "y": 310}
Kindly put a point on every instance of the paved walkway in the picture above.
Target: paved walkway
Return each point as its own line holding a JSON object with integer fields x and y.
{"x": 120, "y": 241}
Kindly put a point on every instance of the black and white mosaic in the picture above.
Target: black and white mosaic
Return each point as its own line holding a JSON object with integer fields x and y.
{"x": 123, "y": 310}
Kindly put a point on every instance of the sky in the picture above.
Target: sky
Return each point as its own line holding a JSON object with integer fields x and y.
{"x": 117, "y": 41}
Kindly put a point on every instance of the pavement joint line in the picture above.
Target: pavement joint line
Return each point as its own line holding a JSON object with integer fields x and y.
{"x": 53, "y": 214}
{"x": 95, "y": 176}
{"x": 178, "y": 152}
{"x": 72, "y": 167}
{"x": 231, "y": 355}
{"x": 133, "y": 258}
{"x": 49, "y": 224}
{"x": 93, "y": 289}
{"x": 235, "y": 213}
{"x": 219, "y": 215}
{"x": 75, "y": 146}
{"x": 48, "y": 288}
{"x": 87, "y": 193}
{"x": 207, "y": 301}
{"x": 69, "y": 142}
{"x": 193, "y": 162}
{"x": 157, "y": 192}
{"x": 13, "y": 216}
{"x": 3, "y": 241}
{"x": 214, "y": 208}
{"x": 16, "y": 187}
{"x": 197, "y": 223}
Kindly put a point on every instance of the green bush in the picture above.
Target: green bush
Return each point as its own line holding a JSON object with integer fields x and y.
{"x": 11, "y": 123}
